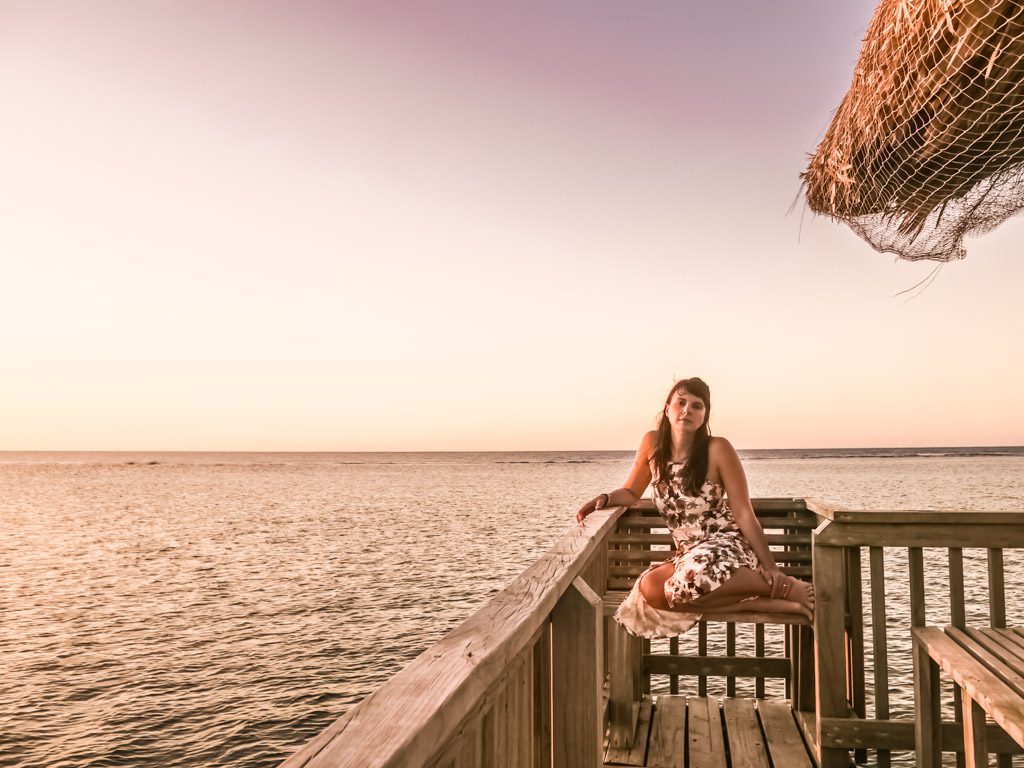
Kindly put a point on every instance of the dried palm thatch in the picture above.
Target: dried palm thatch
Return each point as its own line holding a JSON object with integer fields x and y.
{"x": 928, "y": 143}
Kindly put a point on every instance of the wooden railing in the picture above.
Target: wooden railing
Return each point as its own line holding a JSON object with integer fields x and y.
{"x": 541, "y": 674}
{"x": 839, "y": 723}
{"x": 520, "y": 683}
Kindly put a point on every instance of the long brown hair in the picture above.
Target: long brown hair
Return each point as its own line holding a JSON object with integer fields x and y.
{"x": 695, "y": 470}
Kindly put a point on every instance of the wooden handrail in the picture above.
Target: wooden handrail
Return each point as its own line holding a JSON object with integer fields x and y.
{"x": 837, "y": 542}
{"x": 915, "y": 516}
{"x": 418, "y": 710}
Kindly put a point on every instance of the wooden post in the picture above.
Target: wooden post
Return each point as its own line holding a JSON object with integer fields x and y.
{"x": 623, "y": 683}
{"x": 542, "y": 698}
{"x": 927, "y": 724}
{"x": 975, "y": 746}
{"x": 829, "y": 646}
{"x": 577, "y": 678}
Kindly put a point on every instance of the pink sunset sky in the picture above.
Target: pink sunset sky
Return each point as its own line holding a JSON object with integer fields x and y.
{"x": 460, "y": 226}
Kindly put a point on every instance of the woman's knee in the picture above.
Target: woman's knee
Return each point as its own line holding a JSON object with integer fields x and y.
{"x": 652, "y": 587}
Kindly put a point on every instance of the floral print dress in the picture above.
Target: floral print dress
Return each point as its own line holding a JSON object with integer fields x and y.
{"x": 709, "y": 548}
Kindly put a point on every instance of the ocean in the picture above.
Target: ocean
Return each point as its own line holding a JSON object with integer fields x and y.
{"x": 187, "y": 609}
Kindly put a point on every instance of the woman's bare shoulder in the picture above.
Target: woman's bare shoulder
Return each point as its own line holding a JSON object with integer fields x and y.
{"x": 647, "y": 444}
{"x": 719, "y": 446}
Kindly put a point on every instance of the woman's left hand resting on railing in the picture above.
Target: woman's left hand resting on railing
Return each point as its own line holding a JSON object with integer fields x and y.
{"x": 620, "y": 497}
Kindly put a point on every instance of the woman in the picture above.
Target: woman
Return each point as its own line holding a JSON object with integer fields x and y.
{"x": 722, "y": 563}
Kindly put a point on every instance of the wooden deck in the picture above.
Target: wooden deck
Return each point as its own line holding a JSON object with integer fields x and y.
{"x": 541, "y": 673}
{"x": 678, "y": 731}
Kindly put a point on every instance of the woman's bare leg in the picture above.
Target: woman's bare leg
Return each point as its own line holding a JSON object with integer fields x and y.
{"x": 733, "y": 595}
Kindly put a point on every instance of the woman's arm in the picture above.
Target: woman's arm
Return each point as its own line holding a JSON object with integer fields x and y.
{"x": 724, "y": 456}
{"x": 637, "y": 480}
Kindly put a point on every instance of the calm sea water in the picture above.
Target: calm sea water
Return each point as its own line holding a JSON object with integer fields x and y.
{"x": 176, "y": 609}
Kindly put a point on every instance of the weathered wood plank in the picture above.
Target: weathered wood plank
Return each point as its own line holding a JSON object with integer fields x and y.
{"x": 619, "y": 583}
{"x": 665, "y": 539}
{"x": 759, "y": 652}
{"x": 926, "y": 516}
{"x": 542, "y": 698}
{"x": 717, "y": 666}
{"x": 746, "y": 743}
{"x": 704, "y": 733}
{"x": 993, "y": 650}
{"x": 804, "y": 683}
{"x": 965, "y": 534}
{"x": 702, "y": 650}
{"x": 668, "y": 733}
{"x": 830, "y": 643}
{"x": 730, "y": 650}
{"x": 577, "y": 661}
{"x": 917, "y": 604}
{"x": 975, "y": 748}
{"x": 996, "y": 587}
{"x": 927, "y": 734}
{"x": 637, "y": 753}
{"x": 784, "y": 741}
{"x": 855, "y": 639}
{"x": 673, "y": 680}
{"x": 469, "y": 754}
{"x": 957, "y": 610}
{"x": 646, "y": 556}
{"x": 767, "y": 522}
{"x": 898, "y": 734}
{"x": 623, "y": 708}
{"x": 879, "y": 642}
{"x": 1010, "y": 639}
{"x": 613, "y": 599}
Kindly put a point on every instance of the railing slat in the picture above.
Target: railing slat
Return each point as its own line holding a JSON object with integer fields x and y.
{"x": 996, "y": 588}
{"x": 702, "y": 650}
{"x": 916, "y": 563}
{"x": 759, "y": 652}
{"x": 673, "y": 680}
{"x": 957, "y": 611}
{"x": 856, "y": 639}
{"x": 730, "y": 650}
{"x": 879, "y": 643}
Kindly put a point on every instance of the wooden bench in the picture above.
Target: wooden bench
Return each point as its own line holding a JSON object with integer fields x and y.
{"x": 988, "y": 667}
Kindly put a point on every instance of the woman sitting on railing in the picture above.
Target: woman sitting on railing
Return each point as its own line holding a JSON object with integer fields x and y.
{"x": 722, "y": 563}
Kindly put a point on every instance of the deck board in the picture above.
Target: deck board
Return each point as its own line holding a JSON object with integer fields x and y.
{"x": 668, "y": 733}
{"x": 637, "y": 754}
{"x": 746, "y": 742}
{"x": 682, "y": 731}
{"x": 785, "y": 744}
{"x": 704, "y": 733}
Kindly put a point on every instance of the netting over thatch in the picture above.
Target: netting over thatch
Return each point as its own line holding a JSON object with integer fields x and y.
{"x": 928, "y": 143}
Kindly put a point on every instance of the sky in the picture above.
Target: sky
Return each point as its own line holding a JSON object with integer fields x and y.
{"x": 361, "y": 226}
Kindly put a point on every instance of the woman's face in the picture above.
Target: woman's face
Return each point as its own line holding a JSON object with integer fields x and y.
{"x": 685, "y": 411}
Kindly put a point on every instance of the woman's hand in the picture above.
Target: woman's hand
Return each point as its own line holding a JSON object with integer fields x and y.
{"x": 777, "y": 581}
{"x": 596, "y": 503}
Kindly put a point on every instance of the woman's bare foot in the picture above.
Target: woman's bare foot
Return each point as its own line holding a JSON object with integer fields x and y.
{"x": 801, "y": 593}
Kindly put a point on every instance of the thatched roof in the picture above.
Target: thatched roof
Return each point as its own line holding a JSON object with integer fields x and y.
{"x": 927, "y": 144}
